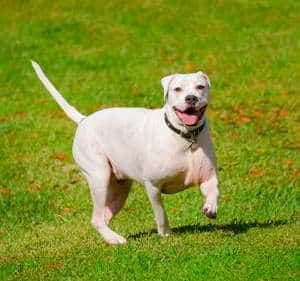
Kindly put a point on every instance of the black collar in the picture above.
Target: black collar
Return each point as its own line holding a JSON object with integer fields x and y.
{"x": 190, "y": 135}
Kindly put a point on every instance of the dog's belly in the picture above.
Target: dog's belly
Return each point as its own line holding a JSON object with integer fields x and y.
{"x": 173, "y": 185}
{"x": 181, "y": 180}
{"x": 169, "y": 176}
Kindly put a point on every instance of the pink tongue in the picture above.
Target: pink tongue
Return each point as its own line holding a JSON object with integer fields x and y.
{"x": 187, "y": 119}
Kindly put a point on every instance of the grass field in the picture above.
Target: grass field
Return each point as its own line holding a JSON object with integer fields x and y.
{"x": 101, "y": 54}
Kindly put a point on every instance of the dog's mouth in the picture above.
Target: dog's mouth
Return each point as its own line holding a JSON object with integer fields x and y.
{"x": 190, "y": 116}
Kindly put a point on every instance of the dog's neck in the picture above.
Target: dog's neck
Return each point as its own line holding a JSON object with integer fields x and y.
{"x": 182, "y": 130}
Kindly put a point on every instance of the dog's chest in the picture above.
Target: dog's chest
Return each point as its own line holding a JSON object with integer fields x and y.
{"x": 187, "y": 169}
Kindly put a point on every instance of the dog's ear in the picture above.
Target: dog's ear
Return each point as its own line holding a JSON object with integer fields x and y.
{"x": 165, "y": 82}
{"x": 205, "y": 77}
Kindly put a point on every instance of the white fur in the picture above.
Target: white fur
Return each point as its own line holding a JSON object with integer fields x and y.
{"x": 114, "y": 146}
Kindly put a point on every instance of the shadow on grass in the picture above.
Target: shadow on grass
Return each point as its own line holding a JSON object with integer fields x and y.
{"x": 234, "y": 227}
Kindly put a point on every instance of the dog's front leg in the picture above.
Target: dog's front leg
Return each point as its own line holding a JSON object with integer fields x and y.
{"x": 154, "y": 195}
{"x": 211, "y": 192}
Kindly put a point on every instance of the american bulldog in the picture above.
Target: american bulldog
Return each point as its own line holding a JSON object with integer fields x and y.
{"x": 166, "y": 150}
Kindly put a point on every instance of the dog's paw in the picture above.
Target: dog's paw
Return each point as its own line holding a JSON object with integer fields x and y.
{"x": 165, "y": 231}
{"x": 116, "y": 239}
{"x": 110, "y": 236}
{"x": 210, "y": 210}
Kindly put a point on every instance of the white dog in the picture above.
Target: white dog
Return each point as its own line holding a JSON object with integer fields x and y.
{"x": 166, "y": 150}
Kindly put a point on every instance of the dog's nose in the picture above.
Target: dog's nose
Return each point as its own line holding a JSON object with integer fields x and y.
{"x": 191, "y": 99}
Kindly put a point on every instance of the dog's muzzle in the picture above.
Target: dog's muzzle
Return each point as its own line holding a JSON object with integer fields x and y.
{"x": 192, "y": 114}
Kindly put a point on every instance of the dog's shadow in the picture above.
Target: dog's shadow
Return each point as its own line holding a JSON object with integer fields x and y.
{"x": 235, "y": 227}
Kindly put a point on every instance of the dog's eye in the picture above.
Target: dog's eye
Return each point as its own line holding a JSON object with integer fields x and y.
{"x": 200, "y": 87}
{"x": 177, "y": 89}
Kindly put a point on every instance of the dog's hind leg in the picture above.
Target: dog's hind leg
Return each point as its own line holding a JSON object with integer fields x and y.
{"x": 99, "y": 184}
{"x": 98, "y": 172}
{"x": 103, "y": 208}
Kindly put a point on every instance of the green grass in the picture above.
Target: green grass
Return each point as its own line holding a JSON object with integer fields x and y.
{"x": 102, "y": 55}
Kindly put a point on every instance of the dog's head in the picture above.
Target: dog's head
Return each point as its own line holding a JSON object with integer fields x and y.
{"x": 186, "y": 97}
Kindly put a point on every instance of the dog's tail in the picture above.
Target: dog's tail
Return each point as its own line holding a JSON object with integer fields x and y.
{"x": 71, "y": 112}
